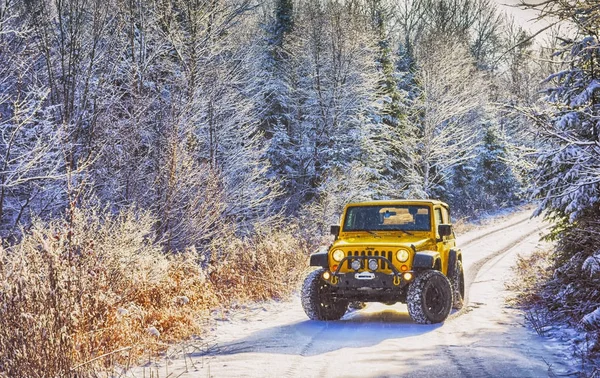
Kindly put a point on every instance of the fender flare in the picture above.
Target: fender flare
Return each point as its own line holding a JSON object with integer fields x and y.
{"x": 454, "y": 256}
{"x": 320, "y": 258}
{"x": 426, "y": 260}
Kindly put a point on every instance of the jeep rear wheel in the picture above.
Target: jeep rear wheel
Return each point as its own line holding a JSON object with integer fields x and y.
{"x": 429, "y": 297}
{"x": 458, "y": 286}
{"x": 317, "y": 301}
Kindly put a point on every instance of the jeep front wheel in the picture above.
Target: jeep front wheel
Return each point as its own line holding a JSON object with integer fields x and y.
{"x": 429, "y": 297}
{"x": 317, "y": 301}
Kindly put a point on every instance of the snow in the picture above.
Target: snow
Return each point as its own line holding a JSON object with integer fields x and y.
{"x": 586, "y": 95}
{"x": 592, "y": 264}
{"x": 592, "y": 319}
{"x": 486, "y": 338}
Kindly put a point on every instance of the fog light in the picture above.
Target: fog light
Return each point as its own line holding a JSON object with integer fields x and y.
{"x": 356, "y": 264}
{"x": 326, "y": 276}
{"x": 408, "y": 276}
{"x": 373, "y": 264}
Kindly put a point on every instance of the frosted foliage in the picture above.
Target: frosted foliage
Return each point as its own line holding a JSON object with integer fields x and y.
{"x": 592, "y": 265}
{"x": 224, "y": 113}
{"x": 329, "y": 83}
{"x": 586, "y": 95}
{"x": 592, "y": 319}
{"x": 452, "y": 93}
{"x": 569, "y": 168}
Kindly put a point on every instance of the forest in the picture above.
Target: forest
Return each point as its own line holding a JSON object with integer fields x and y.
{"x": 160, "y": 149}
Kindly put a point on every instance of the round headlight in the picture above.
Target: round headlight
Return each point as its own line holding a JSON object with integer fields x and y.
{"x": 373, "y": 264}
{"x": 402, "y": 255}
{"x": 338, "y": 255}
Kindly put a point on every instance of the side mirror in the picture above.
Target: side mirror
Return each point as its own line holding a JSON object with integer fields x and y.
{"x": 335, "y": 230}
{"x": 445, "y": 230}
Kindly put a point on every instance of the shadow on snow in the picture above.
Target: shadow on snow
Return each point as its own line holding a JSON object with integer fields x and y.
{"x": 356, "y": 329}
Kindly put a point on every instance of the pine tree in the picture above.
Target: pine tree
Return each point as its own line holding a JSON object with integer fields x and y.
{"x": 276, "y": 75}
{"x": 567, "y": 176}
{"x": 497, "y": 181}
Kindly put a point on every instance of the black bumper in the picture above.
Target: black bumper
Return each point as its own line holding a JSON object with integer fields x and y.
{"x": 379, "y": 281}
{"x": 352, "y": 280}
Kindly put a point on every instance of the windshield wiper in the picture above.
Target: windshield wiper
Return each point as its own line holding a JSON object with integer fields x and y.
{"x": 399, "y": 229}
{"x": 373, "y": 233}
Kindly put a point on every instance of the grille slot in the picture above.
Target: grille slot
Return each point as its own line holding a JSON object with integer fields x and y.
{"x": 383, "y": 265}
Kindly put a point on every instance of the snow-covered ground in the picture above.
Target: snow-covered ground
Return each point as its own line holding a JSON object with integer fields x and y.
{"x": 485, "y": 339}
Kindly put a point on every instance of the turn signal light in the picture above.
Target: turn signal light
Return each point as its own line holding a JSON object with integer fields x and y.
{"x": 404, "y": 268}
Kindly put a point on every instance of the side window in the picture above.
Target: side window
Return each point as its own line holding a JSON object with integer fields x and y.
{"x": 438, "y": 216}
{"x": 446, "y": 215}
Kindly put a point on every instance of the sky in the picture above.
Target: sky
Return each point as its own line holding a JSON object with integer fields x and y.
{"x": 525, "y": 17}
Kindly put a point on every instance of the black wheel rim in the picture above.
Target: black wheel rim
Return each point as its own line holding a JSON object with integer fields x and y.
{"x": 434, "y": 300}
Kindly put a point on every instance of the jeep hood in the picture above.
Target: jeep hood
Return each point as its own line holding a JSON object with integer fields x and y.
{"x": 406, "y": 241}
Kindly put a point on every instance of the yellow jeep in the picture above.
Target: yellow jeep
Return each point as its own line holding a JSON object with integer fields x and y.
{"x": 388, "y": 251}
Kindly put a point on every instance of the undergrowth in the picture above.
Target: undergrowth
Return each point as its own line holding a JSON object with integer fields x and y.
{"x": 82, "y": 297}
{"x": 533, "y": 272}
{"x": 538, "y": 289}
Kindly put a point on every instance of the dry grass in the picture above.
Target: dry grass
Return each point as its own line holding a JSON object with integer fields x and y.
{"x": 268, "y": 265}
{"x": 532, "y": 273}
{"x": 96, "y": 293}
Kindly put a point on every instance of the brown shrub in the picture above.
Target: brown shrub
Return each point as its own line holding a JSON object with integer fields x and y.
{"x": 78, "y": 298}
{"x": 73, "y": 293}
{"x": 532, "y": 273}
{"x": 270, "y": 264}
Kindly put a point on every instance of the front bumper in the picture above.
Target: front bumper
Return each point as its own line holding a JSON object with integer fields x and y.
{"x": 379, "y": 281}
{"x": 364, "y": 278}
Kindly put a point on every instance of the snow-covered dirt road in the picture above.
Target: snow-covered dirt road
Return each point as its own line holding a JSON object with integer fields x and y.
{"x": 485, "y": 339}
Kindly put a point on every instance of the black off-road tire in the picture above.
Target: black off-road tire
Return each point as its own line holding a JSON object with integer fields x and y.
{"x": 429, "y": 297}
{"x": 458, "y": 286}
{"x": 355, "y": 305}
{"x": 317, "y": 301}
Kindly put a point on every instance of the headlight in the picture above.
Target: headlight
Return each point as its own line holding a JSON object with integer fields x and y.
{"x": 402, "y": 255}
{"x": 338, "y": 255}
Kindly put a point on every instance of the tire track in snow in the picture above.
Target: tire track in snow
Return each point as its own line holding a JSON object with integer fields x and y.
{"x": 461, "y": 361}
{"x": 477, "y": 265}
{"x": 482, "y": 236}
{"x": 456, "y": 361}
{"x": 292, "y": 371}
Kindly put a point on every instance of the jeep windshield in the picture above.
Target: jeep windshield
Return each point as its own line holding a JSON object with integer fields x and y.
{"x": 387, "y": 218}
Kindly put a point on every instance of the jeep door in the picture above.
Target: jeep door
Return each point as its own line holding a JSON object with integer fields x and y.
{"x": 445, "y": 243}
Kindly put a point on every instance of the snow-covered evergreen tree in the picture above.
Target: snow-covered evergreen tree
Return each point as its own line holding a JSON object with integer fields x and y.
{"x": 488, "y": 181}
{"x": 567, "y": 176}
